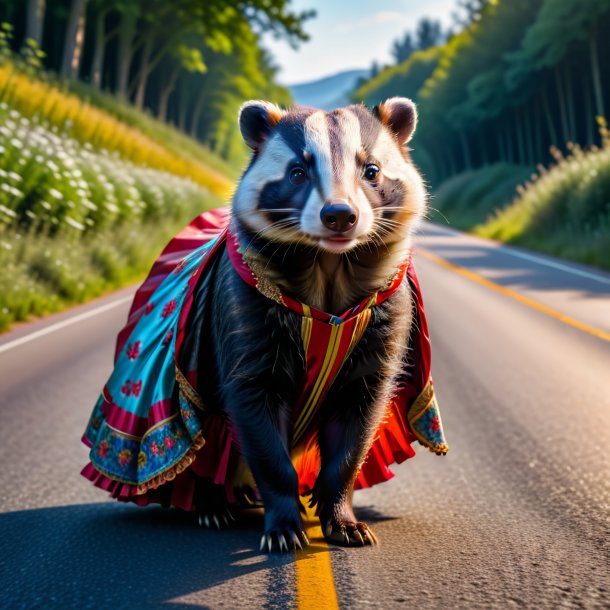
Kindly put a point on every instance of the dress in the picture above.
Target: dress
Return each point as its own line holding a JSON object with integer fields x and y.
{"x": 150, "y": 433}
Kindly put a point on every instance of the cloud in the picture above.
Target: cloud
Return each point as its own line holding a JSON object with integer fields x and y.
{"x": 379, "y": 18}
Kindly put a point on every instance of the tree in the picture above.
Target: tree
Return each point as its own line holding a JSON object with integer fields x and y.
{"x": 429, "y": 33}
{"x": 74, "y": 38}
{"x": 402, "y": 48}
{"x": 35, "y": 11}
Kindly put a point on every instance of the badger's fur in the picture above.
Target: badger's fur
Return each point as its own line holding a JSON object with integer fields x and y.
{"x": 325, "y": 210}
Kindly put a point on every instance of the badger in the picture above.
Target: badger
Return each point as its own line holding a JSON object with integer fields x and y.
{"x": 321, "y": 229}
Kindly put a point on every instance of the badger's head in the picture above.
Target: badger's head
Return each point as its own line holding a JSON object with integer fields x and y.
{"x": 336, "y": 181}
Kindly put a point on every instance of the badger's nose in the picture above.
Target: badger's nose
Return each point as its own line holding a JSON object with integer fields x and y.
{"x": 339, "y": 217}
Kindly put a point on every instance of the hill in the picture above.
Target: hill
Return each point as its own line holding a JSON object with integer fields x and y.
{"x": 328, "y": 92}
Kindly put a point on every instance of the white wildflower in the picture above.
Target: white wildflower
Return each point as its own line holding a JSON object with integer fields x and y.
{"x": 7, "y": 211}
{"x": 74, "y": 223}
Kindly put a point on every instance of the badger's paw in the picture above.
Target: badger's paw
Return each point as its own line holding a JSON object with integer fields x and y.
{"x": 284, "y": 541}
{"x": 349, "y": 533}
{"x": 219, "y": 519}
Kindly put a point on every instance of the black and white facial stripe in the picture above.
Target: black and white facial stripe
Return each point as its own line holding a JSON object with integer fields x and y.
{"x": 305, "y": 159}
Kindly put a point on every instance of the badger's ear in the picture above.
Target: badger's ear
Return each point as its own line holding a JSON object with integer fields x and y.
{"x": 400, "y": 115}
{"x": 257, "y": 120}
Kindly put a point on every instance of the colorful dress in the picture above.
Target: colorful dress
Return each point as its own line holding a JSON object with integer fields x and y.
{"x": 150, "y": 433}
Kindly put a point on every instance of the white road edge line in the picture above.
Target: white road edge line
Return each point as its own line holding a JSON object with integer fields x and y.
{"x": 530, "y": 257}
{"x": 59, "y": 325}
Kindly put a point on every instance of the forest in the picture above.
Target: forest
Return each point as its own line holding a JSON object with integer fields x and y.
{"x": 522, "y": 77}
{"x": 513, "y": 107}
{"x": 173, "y": 59}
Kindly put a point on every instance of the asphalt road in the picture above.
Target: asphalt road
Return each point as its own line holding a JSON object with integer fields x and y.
{"x": 515, "y": 516}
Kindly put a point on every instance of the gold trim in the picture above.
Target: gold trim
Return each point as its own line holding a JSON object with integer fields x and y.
{"x": 263, "y": 284}
{"x": 418, "y": 408}
{"x": 149, "y": 431}
{"x": 421, "y": 403}
{"x": 188, "y": 391}
{"x": 170, "y": 474}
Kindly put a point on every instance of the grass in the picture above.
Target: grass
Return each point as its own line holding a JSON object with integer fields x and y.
{"x": 472, "y": 198}
{"x": 563, "y": 210}
{"x": 76, "y": 222}
{"x": 46, "y": 101}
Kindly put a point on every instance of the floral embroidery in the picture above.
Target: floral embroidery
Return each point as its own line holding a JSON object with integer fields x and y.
{"x": 435, "y": 424}
{"x": 133, "y": 350}
{"x": 95, "y": 423}
{"x": 132, "y": 387}
{"x": 169, "y": 336}
{"x": 168, "y": 308}
{"x": 124, "y": 457}
{"x": 137, "y": 460}
{"x": 136, "y": 386}
{"x": 149, "y": 308}
{"x": 126, "y": 388}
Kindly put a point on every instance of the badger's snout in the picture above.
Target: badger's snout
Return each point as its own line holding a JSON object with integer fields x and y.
{"x": 339, "y": 216}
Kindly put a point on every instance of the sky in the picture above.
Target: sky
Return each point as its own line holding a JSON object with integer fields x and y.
{"x": 351, "y": 34}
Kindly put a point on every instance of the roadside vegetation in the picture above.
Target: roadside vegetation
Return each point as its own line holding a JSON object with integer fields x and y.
{"x": 512, "y": 133}
{"x": 117, "y": 127}
{"x": 75, "y": 222}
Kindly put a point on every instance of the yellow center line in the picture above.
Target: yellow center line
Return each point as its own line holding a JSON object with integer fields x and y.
{"x": 596, "y": 332}
{"x": 315, "y": 582}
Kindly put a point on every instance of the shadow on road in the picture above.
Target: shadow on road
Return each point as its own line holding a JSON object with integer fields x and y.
{"x": 104, "y": 555}
{"x": 514, "y": 271}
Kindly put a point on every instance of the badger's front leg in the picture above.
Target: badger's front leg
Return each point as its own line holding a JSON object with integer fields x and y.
{"x": 345, "y": 436}
{"x": 351, "y": 416}
{"x": 260, "y": 424}
{"x": 259, "y": 361}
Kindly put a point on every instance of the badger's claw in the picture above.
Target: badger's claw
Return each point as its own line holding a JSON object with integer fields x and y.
{"x": 218, "y": 520}
{"x": 349, "y": 533}
{"x": 283, "y": 541}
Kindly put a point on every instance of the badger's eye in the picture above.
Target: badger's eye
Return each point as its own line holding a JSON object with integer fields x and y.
{"x": 298, "y": 176}
{"x": 371, "y": 171}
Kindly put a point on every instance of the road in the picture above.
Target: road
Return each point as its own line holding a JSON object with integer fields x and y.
{"x": 515, "y": 516}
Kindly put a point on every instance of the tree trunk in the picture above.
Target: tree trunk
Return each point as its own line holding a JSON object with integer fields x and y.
{"x": 529, "y": 140}
{"x": 538, "y": 135}
{"x": 561, "y": 96}
{"x": 482, "y": 151}
{"x": 125, "y": 54}
{"x": 183, "y": 111}
{"x": 502, "y": 154}
{"x": 97, "y": 65}
{"x": 546, "y": 107}
{"x": 589, "y": 113}
{"x": 195, "y": 117}
{"x": 35, "y": 20}
{"x": 570, "y": 101}
{"x": 465, "y": 150}
{"x": 520, "y": 141}
{"x": 143, "y": 73}
{"x": 597, "y": 82}
{"x": 75, "y": 37}
{"x": 166, "y": 93}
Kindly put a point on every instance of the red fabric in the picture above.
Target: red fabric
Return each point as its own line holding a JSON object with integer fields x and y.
{"x": 216, "y": 458}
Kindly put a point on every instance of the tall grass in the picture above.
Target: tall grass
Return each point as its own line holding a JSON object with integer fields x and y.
{"x": 75, "y": 222}
{"x": 473, "y": 197}
{"x": 84, "y": 122}
{"x": 563, "y": 210}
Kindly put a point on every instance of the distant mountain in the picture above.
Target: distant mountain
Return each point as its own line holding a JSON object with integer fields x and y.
{"x": 329, "y": 92}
